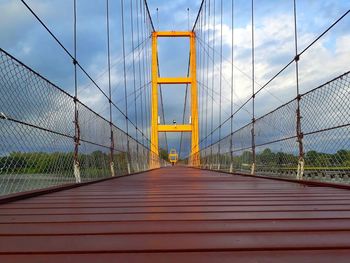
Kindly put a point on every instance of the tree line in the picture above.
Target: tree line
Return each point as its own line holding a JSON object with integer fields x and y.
{"x": 42, "y": 162}
{"x": 269, "y": 158}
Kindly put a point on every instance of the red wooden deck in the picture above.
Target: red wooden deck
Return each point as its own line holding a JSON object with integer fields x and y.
{"x": 180, "y": 215}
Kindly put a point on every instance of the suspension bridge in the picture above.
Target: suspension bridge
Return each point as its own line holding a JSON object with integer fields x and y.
{"x": 263, "y": 146}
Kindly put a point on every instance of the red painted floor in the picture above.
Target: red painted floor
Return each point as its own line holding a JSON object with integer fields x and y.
{"x": 180, "y": 214}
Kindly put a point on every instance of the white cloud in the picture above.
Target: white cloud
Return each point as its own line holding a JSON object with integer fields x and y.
{"x": 274, "y": 42}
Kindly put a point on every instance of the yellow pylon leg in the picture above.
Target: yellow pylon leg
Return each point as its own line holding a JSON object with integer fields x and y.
{"x": 156, "y": 80}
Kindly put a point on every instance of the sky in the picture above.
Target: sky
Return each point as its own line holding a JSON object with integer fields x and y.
{"x": 22, "y": 36}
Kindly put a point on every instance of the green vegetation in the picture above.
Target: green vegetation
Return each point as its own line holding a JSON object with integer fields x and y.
{"x": 36, "y": 162}
{"x": 58, "y": 162}
{"x": 98, "y": 161}
{"x": 340, "y": 158}
{"x": 163, "y": 154}
{"x": 280, "y": 159}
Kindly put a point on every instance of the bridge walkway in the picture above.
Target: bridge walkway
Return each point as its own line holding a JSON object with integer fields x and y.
{"x": 180, "y": 214}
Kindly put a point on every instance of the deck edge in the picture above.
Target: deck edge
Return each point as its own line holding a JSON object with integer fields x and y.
{"x": 302, "y": 182}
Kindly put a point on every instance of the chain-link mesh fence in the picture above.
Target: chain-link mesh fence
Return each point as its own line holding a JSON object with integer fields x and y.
{"x": 38, "y": 135}
{"x": 325, "y": 126}
{"x": 247, "y": 69}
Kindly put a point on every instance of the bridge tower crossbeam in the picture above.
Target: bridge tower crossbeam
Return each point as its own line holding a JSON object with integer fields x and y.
{"x": 156, "y": 81}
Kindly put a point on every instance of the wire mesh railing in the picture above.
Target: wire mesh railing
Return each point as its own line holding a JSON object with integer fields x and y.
{"x": 249, "y": 63}
{"x": 37, "y": 135}
{"x": 325, "y": 123}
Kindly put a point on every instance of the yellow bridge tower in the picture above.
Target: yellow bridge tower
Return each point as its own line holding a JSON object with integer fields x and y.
{"x": 192, "y": 80}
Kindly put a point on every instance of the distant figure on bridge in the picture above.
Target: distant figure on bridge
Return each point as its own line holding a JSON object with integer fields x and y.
{"x": 173, "y": 157}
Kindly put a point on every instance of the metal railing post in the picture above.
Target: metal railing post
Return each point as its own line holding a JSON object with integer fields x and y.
{"x": 76, "y": 164}
{"x": 253, "y": 97}
{"x": 299, "y": 134}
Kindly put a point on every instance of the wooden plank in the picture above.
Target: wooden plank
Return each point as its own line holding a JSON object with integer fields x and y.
{"x": 300, "y": 256}
{"x": 257, "y": 225}
{"x": 175, "y": 242}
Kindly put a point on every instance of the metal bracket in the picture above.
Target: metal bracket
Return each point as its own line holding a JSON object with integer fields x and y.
{"x": 112, "y": 169}
{"x": 77, "y": 172}
{"x": 252, "y": 171}
{"x": 300, "y": 171}
{"x": 3, "y": 116}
